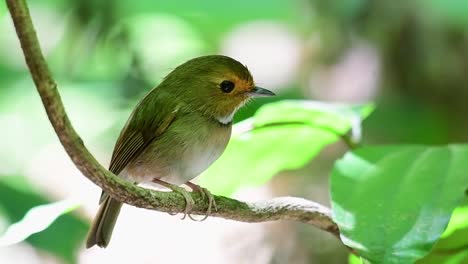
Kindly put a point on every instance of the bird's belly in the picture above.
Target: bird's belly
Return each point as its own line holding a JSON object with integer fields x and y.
{"x": 181, "y": 155}
{"x": 195, "y": 160}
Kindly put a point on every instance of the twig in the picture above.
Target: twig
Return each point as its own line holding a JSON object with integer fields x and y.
{"x": 286, "y": 208}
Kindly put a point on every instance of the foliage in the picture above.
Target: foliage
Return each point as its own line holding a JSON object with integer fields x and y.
{"x": 64, "y": 231}
{"x": 392, "y": 202}
{"x": 274, "y": 139}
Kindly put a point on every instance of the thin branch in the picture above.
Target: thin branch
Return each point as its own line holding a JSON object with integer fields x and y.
{"x": 286, "y": 208}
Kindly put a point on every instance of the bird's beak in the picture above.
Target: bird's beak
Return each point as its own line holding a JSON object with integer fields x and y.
{"x": 261, "y": 92}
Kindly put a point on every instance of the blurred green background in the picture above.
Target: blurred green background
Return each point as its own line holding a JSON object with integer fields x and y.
{"x": 410, "y": 57}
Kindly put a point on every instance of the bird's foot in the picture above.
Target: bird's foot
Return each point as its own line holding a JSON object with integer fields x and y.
{"x": 189, "y": 202}
{"x": 205, "y": 193}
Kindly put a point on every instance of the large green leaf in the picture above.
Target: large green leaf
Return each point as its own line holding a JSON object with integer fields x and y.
{"x": 282, "y": 135}
{"x": 65, "y": 231}
{"x": 452, "y": 248}
{"x": 392, "y": 203}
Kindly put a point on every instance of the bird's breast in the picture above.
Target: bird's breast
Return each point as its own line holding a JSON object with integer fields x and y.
{"x": 201, "y": 155}
{"x": 189, "y": 146}
{"x": 205, "y": 146}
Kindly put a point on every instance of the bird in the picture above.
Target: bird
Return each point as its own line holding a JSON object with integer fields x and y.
{"x": 176, "y": 131}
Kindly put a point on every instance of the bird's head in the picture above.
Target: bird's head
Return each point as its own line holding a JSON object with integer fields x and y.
{"x": 215, "y": 85}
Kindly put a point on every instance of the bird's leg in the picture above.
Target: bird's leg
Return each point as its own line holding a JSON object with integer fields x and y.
{"x": 188, "y": 198}
{"x": 205, "y": 193}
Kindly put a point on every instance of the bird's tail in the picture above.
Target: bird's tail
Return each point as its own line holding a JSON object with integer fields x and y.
{"x": 104, "y": 222}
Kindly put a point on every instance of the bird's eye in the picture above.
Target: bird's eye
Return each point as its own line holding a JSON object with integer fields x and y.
{"x": 226, "y": 86}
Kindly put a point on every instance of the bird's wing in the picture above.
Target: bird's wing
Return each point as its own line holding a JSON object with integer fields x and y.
{"x": 134, "y": 139}
{"x": 137, "y": 134}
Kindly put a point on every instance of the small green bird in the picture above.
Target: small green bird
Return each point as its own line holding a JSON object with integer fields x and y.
{"x": 177, "y": 131}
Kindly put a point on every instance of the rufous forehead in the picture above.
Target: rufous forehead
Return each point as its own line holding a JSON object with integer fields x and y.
{"x": 242, "y": 85}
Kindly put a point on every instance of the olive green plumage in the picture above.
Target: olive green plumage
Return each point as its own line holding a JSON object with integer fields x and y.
{"x": 177, "y": 130}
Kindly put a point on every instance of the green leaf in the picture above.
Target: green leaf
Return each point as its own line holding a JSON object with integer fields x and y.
{"x": 458, "y": 222}
{"x": 281, "y": 136}
{"x": 453, "y": 245}
{"x": 353, "y": 259}
{"x": 446, "y": 258}
{"x": 37, "y": 219}
{"x": 392, "y": 203}
{"x": 62, "y": 238}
